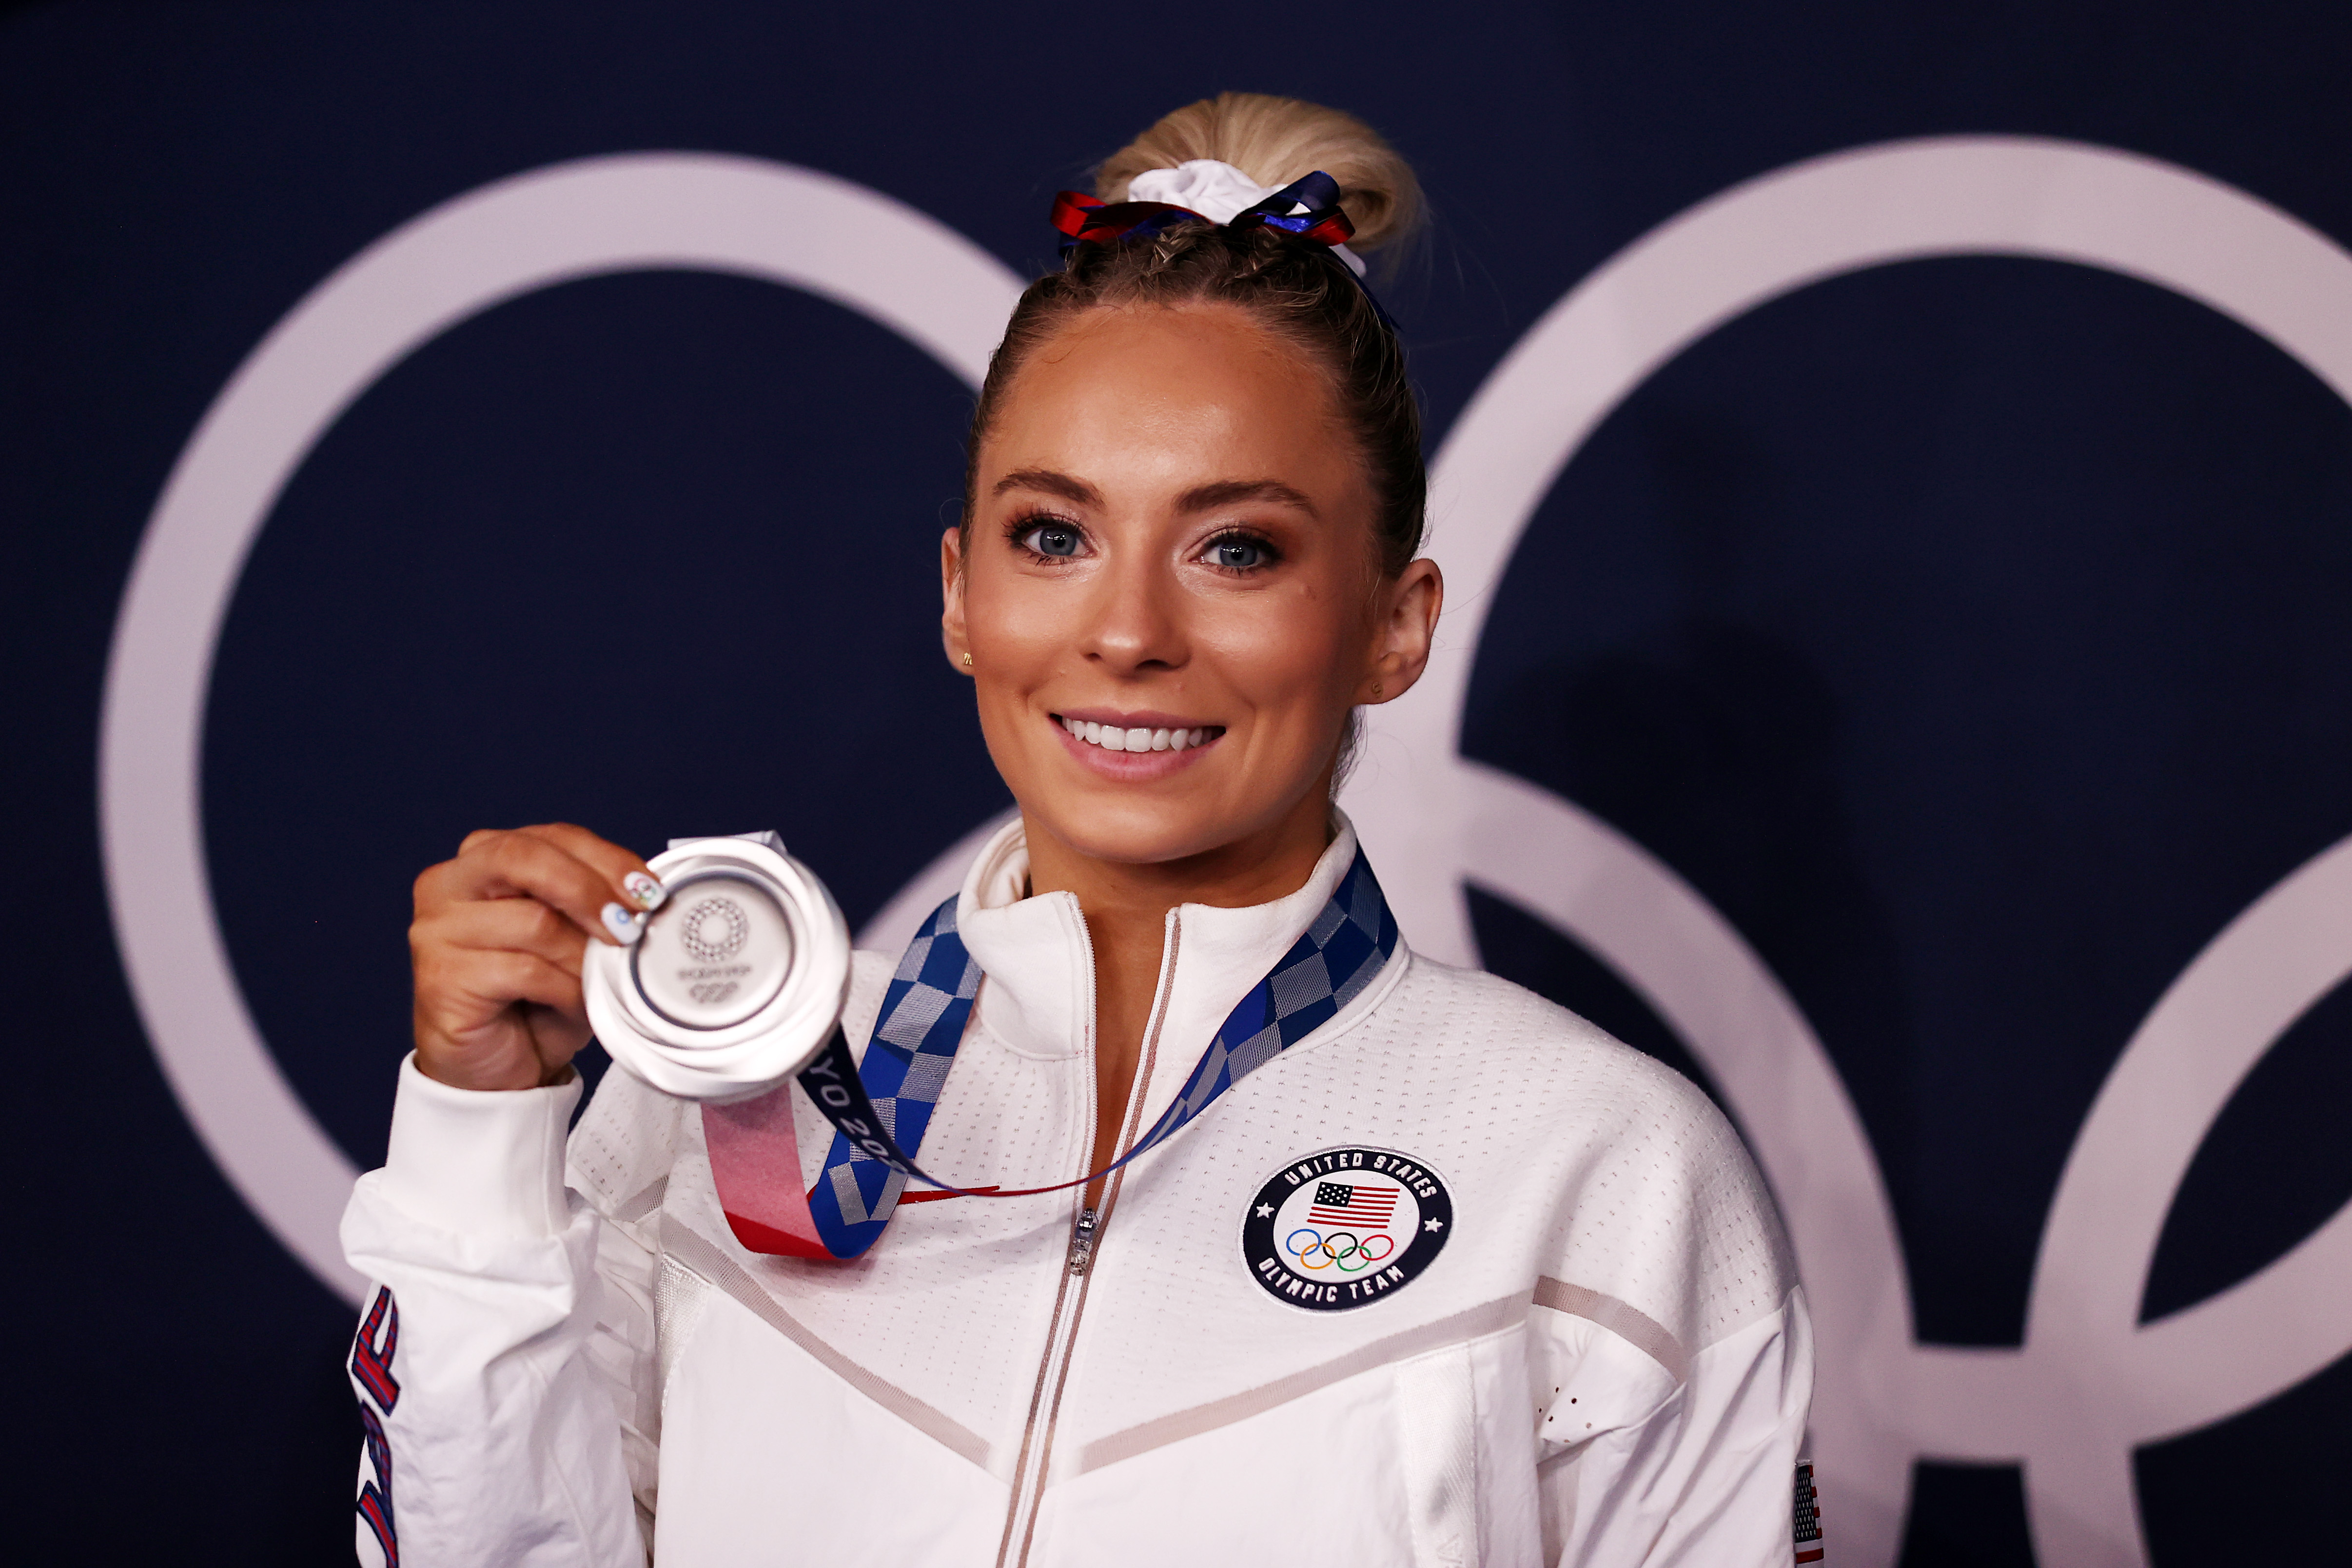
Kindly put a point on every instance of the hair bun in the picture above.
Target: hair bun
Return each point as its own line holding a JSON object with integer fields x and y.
{"x": 1275, "y": 140}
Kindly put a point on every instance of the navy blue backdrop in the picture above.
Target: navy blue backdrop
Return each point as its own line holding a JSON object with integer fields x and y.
{"x": 1970, "y": 632}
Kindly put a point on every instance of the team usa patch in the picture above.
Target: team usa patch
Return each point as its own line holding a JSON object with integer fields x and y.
{"x": 1345, "y": 1228}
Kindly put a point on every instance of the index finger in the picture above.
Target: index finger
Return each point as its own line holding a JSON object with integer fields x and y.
{"x": 641, "y": 892}
{"x": 627, "y": 872}
{"x": 602, "y": 890}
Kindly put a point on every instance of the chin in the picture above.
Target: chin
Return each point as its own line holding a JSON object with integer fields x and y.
{"x": 1137, "y": 832}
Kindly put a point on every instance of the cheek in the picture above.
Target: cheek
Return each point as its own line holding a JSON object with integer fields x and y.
{"x": 1286, "y": 654}
{"x": 1007, "y": 619}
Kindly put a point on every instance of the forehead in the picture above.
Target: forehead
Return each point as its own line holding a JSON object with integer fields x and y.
{"x": 1158, "y": 396}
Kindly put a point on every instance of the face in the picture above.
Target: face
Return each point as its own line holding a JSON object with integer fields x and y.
{"x": 1169, "y": 593}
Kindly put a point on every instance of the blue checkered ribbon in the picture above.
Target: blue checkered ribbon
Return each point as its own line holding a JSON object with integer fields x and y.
{"x": 880, "y": 1109}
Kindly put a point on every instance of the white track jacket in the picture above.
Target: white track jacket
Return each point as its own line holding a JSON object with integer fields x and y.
{"x": 1514, "y": 1295}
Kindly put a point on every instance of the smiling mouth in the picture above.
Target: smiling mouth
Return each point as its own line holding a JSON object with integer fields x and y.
{"x": 1112, "y": 738}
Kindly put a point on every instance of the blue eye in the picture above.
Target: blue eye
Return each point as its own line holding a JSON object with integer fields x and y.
{"x": 1052, "y": 539}
{"x": 1238, "y": 553}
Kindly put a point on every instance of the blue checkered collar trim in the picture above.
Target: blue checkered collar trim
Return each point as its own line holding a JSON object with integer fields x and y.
{"x": 1038, "y": 995}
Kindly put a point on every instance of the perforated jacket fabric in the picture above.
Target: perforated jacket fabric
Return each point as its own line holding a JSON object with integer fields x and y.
{"x": 1607, "y": 1361}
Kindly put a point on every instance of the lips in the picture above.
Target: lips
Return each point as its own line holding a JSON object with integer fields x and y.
{"x": 1134, "y": 747}
{"x": 1117, "y": 737}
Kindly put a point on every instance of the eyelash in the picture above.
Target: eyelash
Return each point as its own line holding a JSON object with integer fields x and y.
{"x": 1260, "y": 543}
{"x": 1017, "y": 531}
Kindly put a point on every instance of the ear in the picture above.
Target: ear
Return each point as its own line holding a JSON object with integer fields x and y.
{"x": 951, "y": 633}
{"x": 1407, "y": 612}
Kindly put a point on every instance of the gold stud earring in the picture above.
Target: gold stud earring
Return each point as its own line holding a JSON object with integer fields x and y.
{"x": 967, "y": 661}
{"x": 1376, "y": 689}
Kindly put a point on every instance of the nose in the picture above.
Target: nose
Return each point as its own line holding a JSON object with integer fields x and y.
{"x": 1135, "y": 621}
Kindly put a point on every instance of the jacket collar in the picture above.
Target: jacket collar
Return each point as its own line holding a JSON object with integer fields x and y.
{"x": 1039, "y": 997}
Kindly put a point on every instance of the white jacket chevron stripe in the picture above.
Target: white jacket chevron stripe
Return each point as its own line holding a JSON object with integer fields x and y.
{"x": 1608, "y": 1362}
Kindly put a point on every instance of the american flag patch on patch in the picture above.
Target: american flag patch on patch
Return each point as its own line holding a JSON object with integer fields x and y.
{"x": 1340, "y": 1203}
{"x": 1808, "y": 1519}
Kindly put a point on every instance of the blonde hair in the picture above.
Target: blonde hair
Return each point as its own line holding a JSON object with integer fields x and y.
{"x": 1275, "y": 140}
{"x": 1293, "y": 286}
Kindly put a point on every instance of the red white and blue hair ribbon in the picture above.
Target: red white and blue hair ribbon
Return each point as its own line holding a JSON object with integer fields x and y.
{"x": 1085, "y": 219}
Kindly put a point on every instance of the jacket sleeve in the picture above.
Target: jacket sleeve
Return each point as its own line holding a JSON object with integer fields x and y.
{"x": 1671, "y": 1352}
{"x": 1689, "y": 1464}
{"x": 501, "y": 1350}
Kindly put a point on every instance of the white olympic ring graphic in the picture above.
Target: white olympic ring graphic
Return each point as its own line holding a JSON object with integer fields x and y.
{"x": 1357, "y": 1245}
{"x": 2089, "y": 1384}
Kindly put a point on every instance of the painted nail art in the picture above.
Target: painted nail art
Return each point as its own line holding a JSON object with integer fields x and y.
{"x": 648, "y": 892}
{"x": 626, "y": 927}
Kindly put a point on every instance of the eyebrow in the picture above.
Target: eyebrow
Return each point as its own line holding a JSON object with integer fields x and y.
{"x": 1205, "y": 497}
{"x": 1052, "y": 483}
{"x": 1200, "y": 498}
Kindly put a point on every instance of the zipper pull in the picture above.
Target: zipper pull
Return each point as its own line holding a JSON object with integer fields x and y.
{"x": 1082, "y": 1241}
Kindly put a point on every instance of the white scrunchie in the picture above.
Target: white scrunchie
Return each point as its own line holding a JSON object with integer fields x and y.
{"x": 1217, "y": 190}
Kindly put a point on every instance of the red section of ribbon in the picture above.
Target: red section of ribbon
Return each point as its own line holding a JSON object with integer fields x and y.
{"x": 755, "y": 1162}
{"x": 1333, "y": 230}
{"x": 1082, "y": 217}
{"x": 1071, "y": 209}
{"x": 920, "y": 1197}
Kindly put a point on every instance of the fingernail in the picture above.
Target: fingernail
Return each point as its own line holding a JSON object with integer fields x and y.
{"x": 626, "y": 927}
{"x": 648, "y": 893}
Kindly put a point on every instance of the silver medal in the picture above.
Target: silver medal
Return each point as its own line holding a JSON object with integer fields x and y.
{"x": 739, "y": 976}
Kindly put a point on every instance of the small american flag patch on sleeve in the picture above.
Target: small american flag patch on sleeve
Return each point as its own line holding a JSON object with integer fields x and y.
{"x": 1808, "y": 1519}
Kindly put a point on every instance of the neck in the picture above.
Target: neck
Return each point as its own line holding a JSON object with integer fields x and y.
{"x": 1266, "y": 865}
{"x": 1126, "y": 907}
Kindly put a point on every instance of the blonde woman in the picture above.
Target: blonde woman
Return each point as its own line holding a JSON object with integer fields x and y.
{"x": 1432, "y": 1271}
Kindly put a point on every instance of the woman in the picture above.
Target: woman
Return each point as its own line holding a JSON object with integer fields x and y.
{"x": 1448, "y": 1277}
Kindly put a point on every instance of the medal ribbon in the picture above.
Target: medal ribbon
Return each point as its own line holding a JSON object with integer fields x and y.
{"x": 881, "y": 1109}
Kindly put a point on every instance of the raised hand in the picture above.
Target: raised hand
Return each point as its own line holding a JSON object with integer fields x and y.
{"x": 496, "y": 943}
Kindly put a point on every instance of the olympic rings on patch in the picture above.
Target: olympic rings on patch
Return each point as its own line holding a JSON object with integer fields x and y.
{"x": 1322, "y": 1251}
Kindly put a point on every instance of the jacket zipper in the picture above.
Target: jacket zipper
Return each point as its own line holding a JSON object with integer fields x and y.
{"x": 1082, "y": 1241}
{"x": 1069, "y": 1304}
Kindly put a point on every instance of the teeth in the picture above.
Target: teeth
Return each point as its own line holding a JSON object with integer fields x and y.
{"x": 1135, "y": 740}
